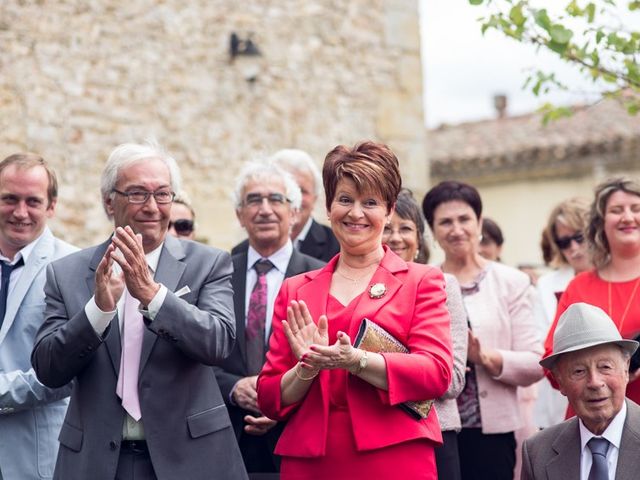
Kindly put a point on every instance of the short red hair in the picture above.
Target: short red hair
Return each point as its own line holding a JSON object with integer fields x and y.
{"x": 372, "y": 166}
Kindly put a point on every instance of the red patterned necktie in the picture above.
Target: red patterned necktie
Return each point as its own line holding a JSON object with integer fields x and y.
{"x": 256, "y": 316}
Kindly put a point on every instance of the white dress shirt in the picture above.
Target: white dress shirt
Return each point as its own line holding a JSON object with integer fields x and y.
{"x": 303, "y": 233}
{"x": 613, "y": 433}
{"x": 24, "y": 254}
{"x": 275, "y": 277}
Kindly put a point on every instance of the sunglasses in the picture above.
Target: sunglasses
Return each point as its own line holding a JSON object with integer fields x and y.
{"x": 182, "y": 226}
{"x": 565, "y": 242}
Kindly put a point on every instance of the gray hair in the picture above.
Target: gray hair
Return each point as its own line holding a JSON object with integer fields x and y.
{"x": 295, "y": 160}
{"x": 127, "y": 154}
{"x": 262, "y": 169}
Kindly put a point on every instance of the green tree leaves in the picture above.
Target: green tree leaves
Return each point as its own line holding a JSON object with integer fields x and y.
{"x": 582, "y": 34}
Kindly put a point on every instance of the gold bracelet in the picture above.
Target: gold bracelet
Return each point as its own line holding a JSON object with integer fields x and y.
{"x": 305, "y": 379}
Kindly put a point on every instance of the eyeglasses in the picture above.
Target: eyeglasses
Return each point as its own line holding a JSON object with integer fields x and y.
{"x": 141, "y": 196}
{"x": 565, "y": 242}
{"x": 183, "y": 226}
{"x": 274, "y": 199}
{"x": 403, "y": 231}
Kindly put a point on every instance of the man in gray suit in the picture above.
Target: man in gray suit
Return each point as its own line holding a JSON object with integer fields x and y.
{"x": 30, "y": 413}
{"x": 590, "y": 362}
{"x": 136, "y": 323}
{"x": 267, "y": 200}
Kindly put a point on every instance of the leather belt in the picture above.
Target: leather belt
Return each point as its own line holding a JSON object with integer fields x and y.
{"x": 134, "y": 446}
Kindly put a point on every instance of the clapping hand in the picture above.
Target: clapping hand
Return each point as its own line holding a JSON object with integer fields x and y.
{"x": 133, "y": 262}
{"x": 302, "y": 332}
{"x": 109, "y": 285}
{"x": 339, "y": 355}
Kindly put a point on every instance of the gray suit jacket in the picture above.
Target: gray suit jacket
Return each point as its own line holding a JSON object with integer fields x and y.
{"x": 30, "y": 413}
{"x": 186, "y": 423}
{"x": 554, "y": 453}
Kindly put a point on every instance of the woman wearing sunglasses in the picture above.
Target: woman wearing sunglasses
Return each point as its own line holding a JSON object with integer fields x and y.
{"x": 564, "y": 248}
{"x": 182, "y": 218}
{"x": 613, "y": 236}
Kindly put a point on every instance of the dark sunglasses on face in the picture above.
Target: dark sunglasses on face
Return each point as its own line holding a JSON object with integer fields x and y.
{"x": 565, "y": 242}
{"x": 183, "y": 226}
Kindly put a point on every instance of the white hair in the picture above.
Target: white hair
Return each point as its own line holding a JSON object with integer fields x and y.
{"x": 261, "y": 169}
{"x": 294, "y": 160}
{"x": 127, "y": 154}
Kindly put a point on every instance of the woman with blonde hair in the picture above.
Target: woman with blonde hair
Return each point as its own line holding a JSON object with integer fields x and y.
{"x": 613, "y": 235}
{"x": 565, "y": 249}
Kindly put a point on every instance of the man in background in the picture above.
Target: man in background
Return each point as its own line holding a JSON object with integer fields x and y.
{"x": 267, "y": 200}
{"x": 30, "y": 413}
{"x": 590, "y": 362}
{"x": 308, "y": 236}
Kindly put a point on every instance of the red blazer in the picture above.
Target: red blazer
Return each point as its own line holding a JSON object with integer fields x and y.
{"x": 412, "y": 310}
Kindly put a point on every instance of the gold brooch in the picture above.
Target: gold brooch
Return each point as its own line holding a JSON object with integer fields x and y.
{"x": 377, "y": 290}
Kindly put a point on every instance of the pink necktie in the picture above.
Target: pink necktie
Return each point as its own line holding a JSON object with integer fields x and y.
{"x": 132, "y": 333}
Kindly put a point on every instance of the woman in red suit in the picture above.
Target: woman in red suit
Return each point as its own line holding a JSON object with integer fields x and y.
{"x": 613, "y": 234}
{"x": 342, "y": 404}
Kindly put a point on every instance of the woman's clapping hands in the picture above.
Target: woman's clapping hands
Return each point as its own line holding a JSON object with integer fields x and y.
{"x": 310, "y": 342}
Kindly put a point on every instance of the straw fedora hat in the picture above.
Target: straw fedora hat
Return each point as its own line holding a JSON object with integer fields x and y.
{"x": 583, "y": 326}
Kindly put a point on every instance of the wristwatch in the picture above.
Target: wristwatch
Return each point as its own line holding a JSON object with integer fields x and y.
{"x": 362, "y": 363}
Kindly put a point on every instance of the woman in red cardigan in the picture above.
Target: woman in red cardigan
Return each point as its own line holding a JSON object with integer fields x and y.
{"x": 613, "y": 234}
{"x": 342, "y": 404}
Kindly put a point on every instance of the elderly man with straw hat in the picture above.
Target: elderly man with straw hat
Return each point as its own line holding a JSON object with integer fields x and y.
{"x": 590, "y": 362}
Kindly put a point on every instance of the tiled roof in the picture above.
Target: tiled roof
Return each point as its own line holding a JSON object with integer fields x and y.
{"x": 603, "y": 133}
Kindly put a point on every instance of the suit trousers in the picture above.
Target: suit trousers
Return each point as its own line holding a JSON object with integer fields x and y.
{"x": 257, "y": 454}
{"x": 486, "y": 455}
{"x": 447, "y": 457}
{"x": 134, "y": 464}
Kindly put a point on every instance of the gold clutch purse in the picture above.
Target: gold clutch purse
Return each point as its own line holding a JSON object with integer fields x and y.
{"x": 373, "y": 338}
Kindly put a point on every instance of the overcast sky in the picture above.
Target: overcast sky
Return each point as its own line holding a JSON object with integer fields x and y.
{"x": 463, "y": 69}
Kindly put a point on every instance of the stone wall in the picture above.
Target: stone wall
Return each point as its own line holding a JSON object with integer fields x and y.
{"x": 78, "y": 78}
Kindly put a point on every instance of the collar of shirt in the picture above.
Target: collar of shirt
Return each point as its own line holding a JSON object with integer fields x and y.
{"x": 24, "y": 252}
{"x": 304, "y": 232}
{"x": 280, "y": 258}
{"x": 613, "y": 432}
{"x": 153, "y": 257}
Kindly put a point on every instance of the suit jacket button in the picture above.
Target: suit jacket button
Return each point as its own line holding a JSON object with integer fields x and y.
{"x": 113, "y": 445}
